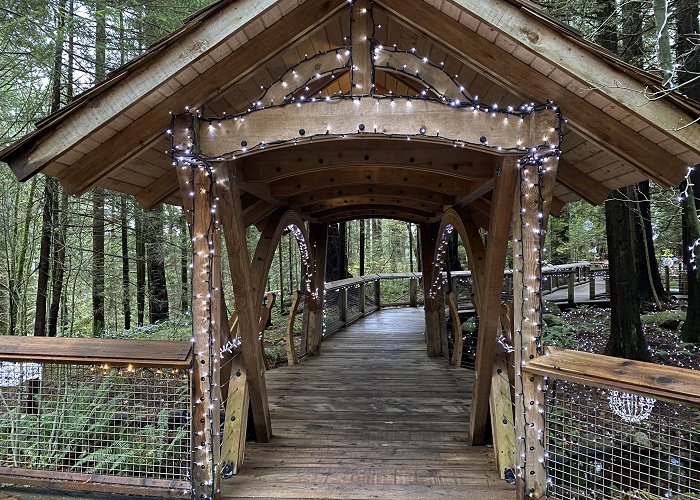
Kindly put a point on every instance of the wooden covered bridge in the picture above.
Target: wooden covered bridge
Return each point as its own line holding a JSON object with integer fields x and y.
{"x": 472, "y": 118}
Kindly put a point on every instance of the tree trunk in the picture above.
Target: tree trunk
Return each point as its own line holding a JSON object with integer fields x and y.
{"x": 690, "y": 331}
{"x": 44, "y": 268}
{"x": 626, "y": 338}
{"x": 59, "y": 266}
{"x": 158, "y": 307}
{"x": 98, "y": 262}
{"x": 607, "y": 31}
{"x": 126, "y": 282}
{"x": 140, "y": 265}
{"x": 362, "y": 247}
{"x": 688, "y": 47}
{"x": 651, "y": 289}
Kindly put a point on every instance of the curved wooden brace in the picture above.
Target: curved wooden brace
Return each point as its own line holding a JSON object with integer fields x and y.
{"x": 415, "y": 68}
{"x": 275, "y": 226}
{"x": 451, "y": 221}
{"x": 371, "y": 151}
{"x": 305, "y": 72}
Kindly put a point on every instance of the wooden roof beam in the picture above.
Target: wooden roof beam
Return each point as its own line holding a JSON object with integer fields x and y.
{"x": 351, "y": 154}
{"x": 580, "y": 183}
{"x": 140, "y": 134}
{"x": 572, "y": 58}
{"x": 379, "y": 209}
{"x": 511, "y": 72}
{"x": 416, "y": 193}
{"x": 377, "y": 176}
{"x": 372, "y": 213}
{"x": 372, "y": 199}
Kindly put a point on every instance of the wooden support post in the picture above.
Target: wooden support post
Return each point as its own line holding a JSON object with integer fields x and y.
{"x": 490, "y": 296}
{"x": 591, "y": 285}
{"x": 667, "y": 279}
{"x": 313, "y": 309}
{"x": 571, "y": 287}
{"x": 291, "y": 351}
{"x": 413, "y": 292}
{"x": 361, "y": 58}
{"x": 428, "y": 240}
{"x": 246, "y": 306}
{"x": 206, "y": 313}
{"x": 456, "y": 359}
{"x": 529, "y": 393}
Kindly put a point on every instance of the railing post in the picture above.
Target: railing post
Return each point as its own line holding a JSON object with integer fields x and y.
{"x": 667, "y": 278}
{"x": 682, "y": 280}
{"x": 413, "y": 292}
{"x": 591, "y": 285}
{"x": 344, "y": 305}
{"x": 572, "y": 286}
{"x": 378, "y": 292}
{"x": 363, "y": 308}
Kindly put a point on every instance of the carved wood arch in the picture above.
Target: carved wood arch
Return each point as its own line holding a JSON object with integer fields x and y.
{"x": 275, "y": 227}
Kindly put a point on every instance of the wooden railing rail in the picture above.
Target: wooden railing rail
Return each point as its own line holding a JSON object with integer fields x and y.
{"x": 647, "y": 379}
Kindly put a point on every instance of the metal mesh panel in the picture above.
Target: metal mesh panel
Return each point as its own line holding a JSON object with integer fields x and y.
{"x": 370, "y": 294}
{"x": 92, "y": 420}
{"x": 464, "y": 290}
{"x": 396, "y": 291}
{"x": 610, "y": 445}
{"x": 353, "y": 311}
{"x": 332, "y": 314}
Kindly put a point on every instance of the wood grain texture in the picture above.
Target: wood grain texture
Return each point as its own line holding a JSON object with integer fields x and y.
{"x": 372, "y": 417}
{"x": 662, "y": 382}
{"x": 153, "y": 353}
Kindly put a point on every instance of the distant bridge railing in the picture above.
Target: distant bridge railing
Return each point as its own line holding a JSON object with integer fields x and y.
{"x": 96, "y": 414}
{"x": 347, "y": 300}
{"x": 615, "y": 428}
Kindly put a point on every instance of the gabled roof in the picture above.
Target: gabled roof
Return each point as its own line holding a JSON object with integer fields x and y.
{"x": 505, "y": 52}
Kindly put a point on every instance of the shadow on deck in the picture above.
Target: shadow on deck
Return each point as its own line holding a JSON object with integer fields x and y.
{"x": 372, "y": 417}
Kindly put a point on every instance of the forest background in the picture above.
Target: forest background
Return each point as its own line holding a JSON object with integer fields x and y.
{"x": 99, "y": 265}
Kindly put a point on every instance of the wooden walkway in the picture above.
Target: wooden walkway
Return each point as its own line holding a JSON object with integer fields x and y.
{"x": 372, "y": 417}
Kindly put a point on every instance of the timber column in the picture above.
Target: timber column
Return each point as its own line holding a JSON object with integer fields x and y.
{"x": 433, "y": 320}
{"x": 206, "y": 335}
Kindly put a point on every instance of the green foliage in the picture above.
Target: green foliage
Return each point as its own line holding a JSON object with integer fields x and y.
{"x": 663, "y": 316}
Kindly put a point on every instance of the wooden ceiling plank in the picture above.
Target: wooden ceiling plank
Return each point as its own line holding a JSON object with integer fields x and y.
{"x": 416, "y": 193}
{"x": 229, "y": 70}
{"x": 590, "y": 190}
{"x": 585, "y": 118}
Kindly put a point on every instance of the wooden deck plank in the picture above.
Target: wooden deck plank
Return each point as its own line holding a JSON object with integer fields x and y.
{"x": 372, "y": 417}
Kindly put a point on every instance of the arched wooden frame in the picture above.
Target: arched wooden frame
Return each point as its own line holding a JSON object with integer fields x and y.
{"x": 337, "y": 60}
{"x": 276, "y": 226}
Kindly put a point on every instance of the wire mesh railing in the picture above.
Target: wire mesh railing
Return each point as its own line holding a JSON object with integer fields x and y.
{"x": 125, "y": 425}
{"x": 614, "y": 445}
{"x": 617, "y": 429}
